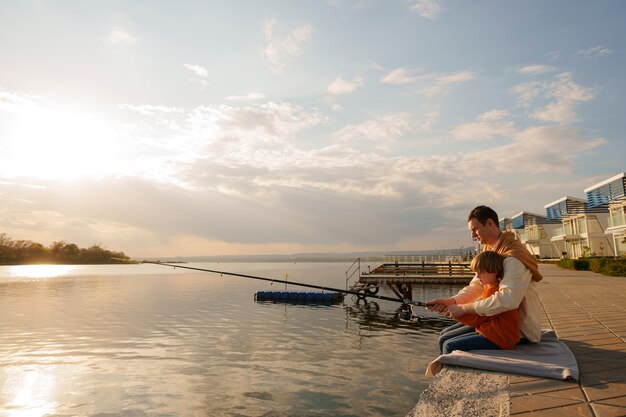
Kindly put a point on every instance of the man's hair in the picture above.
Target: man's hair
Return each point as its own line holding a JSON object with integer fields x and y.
{"x": 482, "y": 214}
{"x": 488, "y": 261}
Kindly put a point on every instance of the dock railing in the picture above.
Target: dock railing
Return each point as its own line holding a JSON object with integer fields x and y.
{"x": 427, "y": 258}
{"x": 355, "y": 268}
{"x": 423, "y": 268}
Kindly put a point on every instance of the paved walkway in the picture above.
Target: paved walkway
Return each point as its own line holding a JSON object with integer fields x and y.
{"x": 588, "y": 312}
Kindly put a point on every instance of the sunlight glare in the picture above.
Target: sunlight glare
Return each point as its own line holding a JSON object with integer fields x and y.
{"x": 32, "y": 393}
{"x": 58, "y": 143}
{"x": 41, "y": 271}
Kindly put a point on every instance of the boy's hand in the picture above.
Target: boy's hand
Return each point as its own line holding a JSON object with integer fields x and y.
{"x": 439, "y": 304}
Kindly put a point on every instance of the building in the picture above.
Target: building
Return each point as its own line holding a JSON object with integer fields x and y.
{"x": 535, "y": 231}
{"x": 564, "y": 208}
{"x": 506, "y": 223}
{"x": 610, "y": 194}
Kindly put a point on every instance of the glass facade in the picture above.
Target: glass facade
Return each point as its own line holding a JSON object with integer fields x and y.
{"x": 567, "y": 206}
{"x": 524, "y": 219}
{"x": 602, "y": 195}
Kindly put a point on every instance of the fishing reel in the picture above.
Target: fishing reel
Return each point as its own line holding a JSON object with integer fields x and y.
{"x": 405, "y": 314}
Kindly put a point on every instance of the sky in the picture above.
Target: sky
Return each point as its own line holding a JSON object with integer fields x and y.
{"x": 236, "y": 127}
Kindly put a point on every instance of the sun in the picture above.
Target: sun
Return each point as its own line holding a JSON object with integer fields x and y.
{"x": 57, "y": 142}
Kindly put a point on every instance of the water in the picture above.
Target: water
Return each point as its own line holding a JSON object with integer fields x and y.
{"x": 148, "y": 340}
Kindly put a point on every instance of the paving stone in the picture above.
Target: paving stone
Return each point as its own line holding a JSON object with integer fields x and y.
{"x": 604, "y": 410}
{"x": 612, "y": 340}
{"x": 588, "y": 337}
{"x": 538, "y": 402}
{"x": 541, "y": 386}
{"x": 597, "y": 365}
{"x": 575, "y": 410}
{"x": 605, "y": 391}
{"x": 516, "y": 379}
{"x": 603, "y": 377}
{"x": 619, "y": 401}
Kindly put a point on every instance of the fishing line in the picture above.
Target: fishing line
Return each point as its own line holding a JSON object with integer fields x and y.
{"x": 300, "y": 284}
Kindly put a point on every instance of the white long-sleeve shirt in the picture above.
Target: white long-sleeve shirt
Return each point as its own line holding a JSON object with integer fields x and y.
{"x": 517, "y": 290}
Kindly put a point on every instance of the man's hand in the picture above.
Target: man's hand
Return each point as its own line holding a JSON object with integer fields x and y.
{"x": 439, "y": 304}
{"x": 454, "y": 310}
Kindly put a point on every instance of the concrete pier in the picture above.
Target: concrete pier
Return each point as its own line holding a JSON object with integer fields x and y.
{"x": 588, "y": 312}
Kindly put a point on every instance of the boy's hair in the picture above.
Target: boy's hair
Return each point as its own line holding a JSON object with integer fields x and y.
{"x": 482, "y": 214}
{"x": 488, "y": 261}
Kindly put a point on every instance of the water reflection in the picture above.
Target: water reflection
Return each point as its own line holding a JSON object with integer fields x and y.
{"x": 370, "y": 316}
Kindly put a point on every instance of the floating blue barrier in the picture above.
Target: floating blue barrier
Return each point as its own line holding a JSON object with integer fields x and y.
{"x": 298, "y": 297}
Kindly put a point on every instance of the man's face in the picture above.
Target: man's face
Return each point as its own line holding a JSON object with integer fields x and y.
{"x": 481, "y": 232}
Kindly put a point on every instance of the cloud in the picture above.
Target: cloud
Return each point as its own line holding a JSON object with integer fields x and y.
{"x": 429, "y": 9}
{"x": 399, "y": 76}
{"x": 184, "y": 133}
{"x": 536, "y": 69}
{"x": 250, "y": 96}
{"x": 595, "y": 51}
{"x": 272, "y": 121}
{"x": 540, "y": 149}
{"x": 248, "y": 183}
{"x": 12, "y": 101}
{"x": 278, "y": 51}
{"x": 384, "y": 129}
{"x": 336, "y": 107}
{"x": 496, "y": 114}
{"x": 487, "y": 126}
{"x": 151, "y": 110}
{"x": 197, "y": 69}
{"x": 118, "y": 36}
{"x": 341, "y": 86}
{"x": 431, "y": 117}
{"x": 429, "y": 84}
{"x": 564, "y": 92}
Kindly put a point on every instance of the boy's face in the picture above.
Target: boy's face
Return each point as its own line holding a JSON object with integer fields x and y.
{"x": 487, "y": 278}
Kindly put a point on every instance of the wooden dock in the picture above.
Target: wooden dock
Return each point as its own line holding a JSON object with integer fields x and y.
{"x": 418, "y": 273}
{"x": 402, "y": 276}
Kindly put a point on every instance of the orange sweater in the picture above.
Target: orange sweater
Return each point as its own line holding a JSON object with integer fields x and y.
{"x": 501, "y": 329}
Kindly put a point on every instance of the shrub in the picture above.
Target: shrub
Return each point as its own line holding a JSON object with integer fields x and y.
{"x": 616, "y": 269}
{"x": 606, "y": 266}
{"x": 566, "y": 263}
{"x": 577, "y": 264}
{"x": 581, "y": 264}
{"x": 598, "y": 264}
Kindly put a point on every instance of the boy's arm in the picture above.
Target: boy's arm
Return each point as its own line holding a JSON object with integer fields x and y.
{"x": 511, "y": 292}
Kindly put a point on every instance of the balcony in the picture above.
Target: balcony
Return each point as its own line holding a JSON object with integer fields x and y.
{"x": 566, "y": 233}
{"x": 531, "y": 235}
{"x": 617, "y": 220}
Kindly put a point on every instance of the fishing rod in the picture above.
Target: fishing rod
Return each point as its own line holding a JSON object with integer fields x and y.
{"x": 301, "y": 284}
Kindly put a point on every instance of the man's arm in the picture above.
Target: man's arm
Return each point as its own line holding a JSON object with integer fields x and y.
{"x": 468, "y": 294}
{"x": 511, "y": 292}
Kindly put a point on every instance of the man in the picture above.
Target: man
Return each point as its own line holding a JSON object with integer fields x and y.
{"x": 518, "y": 288}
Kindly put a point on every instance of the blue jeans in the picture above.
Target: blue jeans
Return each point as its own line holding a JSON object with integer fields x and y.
{"x": 468, "y": 341}
{"x": 455, "y": 330}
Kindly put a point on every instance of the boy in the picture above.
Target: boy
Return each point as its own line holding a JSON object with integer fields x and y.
{"x": 501, "y": 331}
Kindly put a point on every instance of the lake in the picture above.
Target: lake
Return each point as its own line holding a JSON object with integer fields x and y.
{"x": 150, "y": 340}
